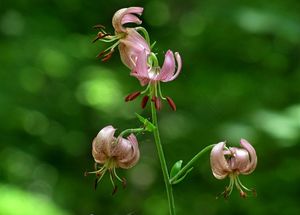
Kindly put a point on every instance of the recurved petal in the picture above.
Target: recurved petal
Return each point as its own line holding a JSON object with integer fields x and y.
{"x": 169, "y": 73}
{"x": 253, "y": 157}
{"x": 168, "y": 68}
{"x": 131, "y": 159}
{"x": 102, "y": 143}
{"x": 98, "y": 152}
{"x": 126, "y": 15}
{"x": 130, "y": 18}
{"x": 219, "y": 165}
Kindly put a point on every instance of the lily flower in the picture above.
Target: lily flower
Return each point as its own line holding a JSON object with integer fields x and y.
{"x": 129, "y": 41}
{"x": 113, "y": 153}
{"x": 232, "y": 162}
{"x": 148, "y": 72}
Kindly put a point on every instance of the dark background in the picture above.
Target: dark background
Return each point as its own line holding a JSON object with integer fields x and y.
{"x": 240, "y": 78}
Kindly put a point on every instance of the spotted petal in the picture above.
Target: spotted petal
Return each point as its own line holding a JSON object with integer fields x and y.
{"x": 102, "y": 143}
{"x": 253, "y": 157}
{"x": 219, "y": 165}
{"x": 132, "y": 158}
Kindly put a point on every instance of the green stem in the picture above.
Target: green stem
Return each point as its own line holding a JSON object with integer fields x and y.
{"x": 162, "y": 161}
{"x": 191, "y": 162}
{"x": 131, "y": 130}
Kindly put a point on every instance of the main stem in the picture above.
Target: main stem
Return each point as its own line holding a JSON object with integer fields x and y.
{"x": 162, "y": 161}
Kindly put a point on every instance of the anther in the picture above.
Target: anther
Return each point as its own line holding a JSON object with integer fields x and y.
{"x": 243, "y": 194}
{"x": 144, "y": 101}
{"x": 171, "y": 103}
{"x": 157, "y": 103}
{"x": 108, "y": 56}
{"x": 100, "y": 54}
{"x": 114, "y": 190}
{"x": 132, "y": 96}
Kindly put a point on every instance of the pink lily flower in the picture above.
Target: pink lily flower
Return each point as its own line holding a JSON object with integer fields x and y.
{"x": 231, "y": 162}
{"x": 129, "y": 41}
{"x": 153, "y": 75}
{"x": 112, "y": 153}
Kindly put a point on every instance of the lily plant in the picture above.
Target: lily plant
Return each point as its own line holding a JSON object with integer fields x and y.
{"x": 111, "y": 152}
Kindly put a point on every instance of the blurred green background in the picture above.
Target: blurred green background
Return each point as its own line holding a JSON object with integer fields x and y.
{"x": 240, "y": 78}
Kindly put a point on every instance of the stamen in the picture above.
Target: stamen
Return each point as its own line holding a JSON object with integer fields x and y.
{"x": 111, "y": 176}
{"x": 171, "y": 103}
{"x": 158, "y": 104}
{"x": 98, "y": 179}
{"x": 243, "y": 194}
{"x": 100, "y": 54}
{"x": 100, "y": 35}
{"x": 144, "y": 101}
{"x": 132, "y": 96}
{"x": 99, "y": 26}
{"x": 226, "y": 193}
{"x": 114, "y": 190}
{"x": 96, "y": 183}
{"x": 124, "y": 183}
{"x": 96, "y": 38}
{"x": 108, "y": 56}
{"x": 246, "y": 188}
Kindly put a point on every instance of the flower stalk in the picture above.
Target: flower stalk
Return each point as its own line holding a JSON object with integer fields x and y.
{"x": 188, "y": 166}
{"x": 162, "y": 160}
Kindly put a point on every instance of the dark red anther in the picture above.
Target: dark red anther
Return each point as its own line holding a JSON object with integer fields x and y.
{"x": 114, "y": 190}
{"x": 157, "y": 103}
{"x": 243, "y": 194}
{"x": 100, "y": 54}
{"x": 108, "y": 56}
{"x": 144, "y": 101}
{"x": 132, "y": 96}
{"x": 153, "y": 99}
{"x": 171, "y": 103}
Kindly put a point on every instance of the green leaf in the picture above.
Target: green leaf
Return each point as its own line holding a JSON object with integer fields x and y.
{"x": 147, "y": 124}
{"x": 176, "y": 168}
{"x": 153, "y": 44}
